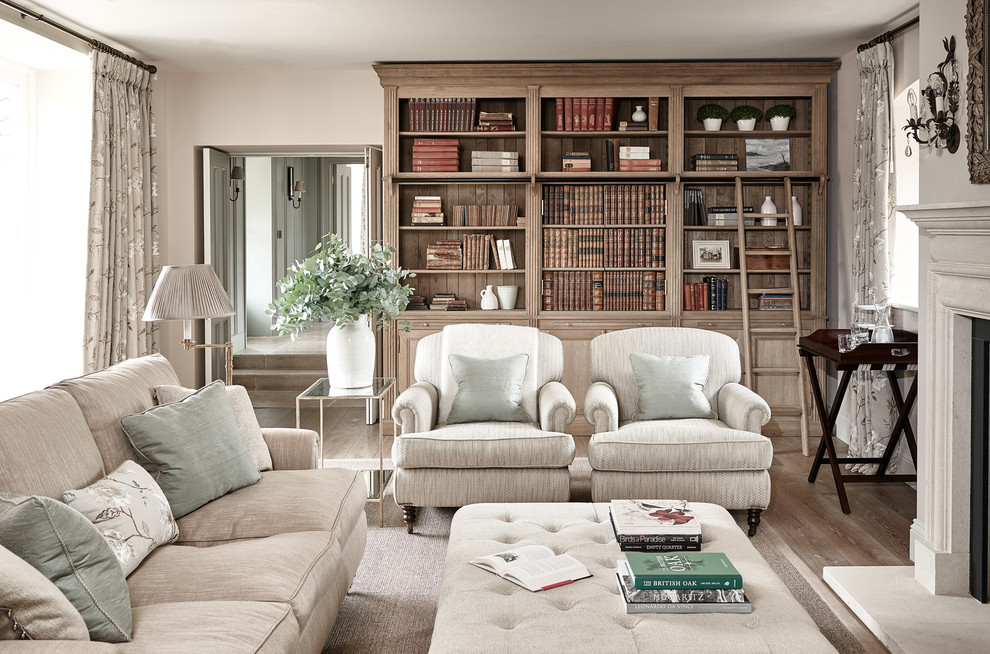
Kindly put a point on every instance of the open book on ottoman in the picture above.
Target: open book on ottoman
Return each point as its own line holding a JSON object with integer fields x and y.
{"x": 534, "y": 567}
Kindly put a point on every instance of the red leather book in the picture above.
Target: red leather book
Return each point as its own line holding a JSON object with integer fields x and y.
{"x": 449, "y": 142}
{"x": 434, "y": 169}
{"x": 568, "y": 114}
{"x": 600, "y": 114}
{"x": 609, "y": 117}
{"x": 583, "y": 127}
{"x": 592, "y": 114}
{"x": 653, "y": 115}
{"x": 559, "y": 107}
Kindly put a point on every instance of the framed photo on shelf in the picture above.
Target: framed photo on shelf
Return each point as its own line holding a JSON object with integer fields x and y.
{"x": 712, "y": 255}
{"x": 768, "y": 154}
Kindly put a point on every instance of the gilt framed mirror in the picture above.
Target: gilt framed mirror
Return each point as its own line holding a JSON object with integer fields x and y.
{"x": 977, "y": 92}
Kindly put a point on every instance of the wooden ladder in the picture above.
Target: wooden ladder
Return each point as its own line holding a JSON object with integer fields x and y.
{"x": 746, "y": 293}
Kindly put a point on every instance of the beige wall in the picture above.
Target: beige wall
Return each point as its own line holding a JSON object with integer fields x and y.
{"x": 316, "y": 111}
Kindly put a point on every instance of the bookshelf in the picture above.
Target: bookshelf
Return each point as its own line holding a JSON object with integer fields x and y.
{"x": 559, "y": 253}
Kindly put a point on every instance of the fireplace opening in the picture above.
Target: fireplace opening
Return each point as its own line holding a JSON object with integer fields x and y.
{"x": 979, "y": 525}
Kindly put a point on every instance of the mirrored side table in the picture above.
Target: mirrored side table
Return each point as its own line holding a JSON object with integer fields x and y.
{"x": 324, "y": 394}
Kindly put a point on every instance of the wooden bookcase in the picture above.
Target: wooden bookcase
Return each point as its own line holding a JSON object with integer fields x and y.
{"x": 530, "y": 92}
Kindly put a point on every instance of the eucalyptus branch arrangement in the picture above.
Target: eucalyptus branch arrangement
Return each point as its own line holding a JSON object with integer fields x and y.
{"x": 333, "y": 285}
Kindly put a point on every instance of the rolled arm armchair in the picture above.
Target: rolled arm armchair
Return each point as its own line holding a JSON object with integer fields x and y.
{"x": 557, "y": 407}
{"x": 741, "y": 408}
{"x": 601, "y": 407}
{"x": 415, "y": 410}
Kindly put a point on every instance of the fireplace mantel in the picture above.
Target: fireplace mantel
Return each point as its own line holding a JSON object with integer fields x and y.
{"x": 927, "y": 607}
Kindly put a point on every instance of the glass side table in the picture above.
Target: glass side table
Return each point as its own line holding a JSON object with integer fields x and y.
{"x": 323, "y": 393}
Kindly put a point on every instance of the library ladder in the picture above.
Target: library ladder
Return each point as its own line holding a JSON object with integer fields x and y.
{"x": 747, "y": 293}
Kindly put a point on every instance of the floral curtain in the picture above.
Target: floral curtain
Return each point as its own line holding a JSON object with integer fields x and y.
{"x": 123, "y": 214}
{"x": 874, "y": 411}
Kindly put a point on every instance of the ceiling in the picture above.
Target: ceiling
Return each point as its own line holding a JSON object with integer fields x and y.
{"x": 229, "y": 35}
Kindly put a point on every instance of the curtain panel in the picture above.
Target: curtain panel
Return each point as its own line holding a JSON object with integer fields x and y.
{"x": 123, "y": 215}
{"x": 874, "y": 411}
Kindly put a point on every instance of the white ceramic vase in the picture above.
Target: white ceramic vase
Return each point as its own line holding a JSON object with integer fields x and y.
{"x": 712, "y": 124}
{"x": 796, "y": 211}
{"x": 351, "y": 354}
{"x": 639, "y": 115}
{"x": 507, "y": 297}
{"x": 780, "y": 123}
{"x": 768, "y": 207}
{"x": 746, "y": 124}
{"x": 489, "y": 301}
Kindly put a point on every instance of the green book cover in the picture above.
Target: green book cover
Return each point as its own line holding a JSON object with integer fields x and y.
{"x": 682, "y": 570}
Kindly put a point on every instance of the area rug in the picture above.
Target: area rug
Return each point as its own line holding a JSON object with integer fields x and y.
{"x": 392, "y": 603}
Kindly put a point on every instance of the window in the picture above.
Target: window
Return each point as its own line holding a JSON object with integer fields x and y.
{"x": 903, "y": 232}
{"x": 45, "y": 117}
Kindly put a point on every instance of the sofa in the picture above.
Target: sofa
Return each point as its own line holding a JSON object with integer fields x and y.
{"x": 264, "y": 568}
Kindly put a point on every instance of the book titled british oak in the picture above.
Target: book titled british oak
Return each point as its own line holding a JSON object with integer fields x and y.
{"x": 705, "y": 600}
{"x": 534, "y": 567}
{"x": 682, "y": 571}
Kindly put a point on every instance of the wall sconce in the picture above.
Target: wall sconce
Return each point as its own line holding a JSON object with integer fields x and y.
{"x": 296, "y": 189}
{"x": 937, "y": 117}
{"x": 236, "y": 177}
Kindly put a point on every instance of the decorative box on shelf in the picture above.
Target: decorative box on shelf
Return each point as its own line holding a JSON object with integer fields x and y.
{"x": 767, "y": 259}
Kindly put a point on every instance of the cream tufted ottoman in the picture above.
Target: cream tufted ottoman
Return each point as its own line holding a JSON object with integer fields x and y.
{"x": 480, "y": 612}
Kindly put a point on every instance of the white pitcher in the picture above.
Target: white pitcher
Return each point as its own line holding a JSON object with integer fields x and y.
{"x": 488, "y": 299}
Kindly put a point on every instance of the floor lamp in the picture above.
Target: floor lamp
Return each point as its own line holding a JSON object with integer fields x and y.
{"x": 187, "y": 293}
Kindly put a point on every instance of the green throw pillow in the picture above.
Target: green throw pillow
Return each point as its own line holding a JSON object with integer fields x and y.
{"x": 192, "y": 448}
{"x": 63, "y": 545}
{"x": 671, "y": 387}
{"x": 488, "y": 389}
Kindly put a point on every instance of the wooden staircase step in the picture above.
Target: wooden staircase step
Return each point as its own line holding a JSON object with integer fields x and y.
{"x": 261, "y": 379}
{"x": 280, "y": 361}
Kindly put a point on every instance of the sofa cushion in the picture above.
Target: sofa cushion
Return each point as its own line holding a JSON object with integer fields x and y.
{"x": 130, "y": 510}
{"x": 679, "y": 446}
{"x": 192, "y": 448}
{"x": 65, "y": 547}
{"x": 46, "y": 445}
{"x": 244, "y": 416}
{"x": 296, "y": 569}
{"x": 39, "y": 608}
{"x": 284, "y": 501}
{"x": 123, "y": 389}
{"x": 484, "y": 445}
{"x": 671, "y": 387}
{"x": 488, "y": 389}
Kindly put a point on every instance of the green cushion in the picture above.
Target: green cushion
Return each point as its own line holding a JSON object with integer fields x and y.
{"x": 671, "y": 387}
{"x": 192, "y": 448}
{"x": 63, "y": 545}
{"x": 488, "y": 389}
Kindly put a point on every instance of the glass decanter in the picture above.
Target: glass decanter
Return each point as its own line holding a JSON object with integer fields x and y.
{"x": 883, "y": 332}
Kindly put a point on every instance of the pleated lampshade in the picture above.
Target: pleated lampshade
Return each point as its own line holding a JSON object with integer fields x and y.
{"x": 188, "y": 292}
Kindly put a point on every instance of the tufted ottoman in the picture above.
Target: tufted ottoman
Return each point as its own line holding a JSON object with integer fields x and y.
{"x": 480, "y": 612}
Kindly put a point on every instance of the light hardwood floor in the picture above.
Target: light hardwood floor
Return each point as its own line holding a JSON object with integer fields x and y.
{"x": 804, "y": 520}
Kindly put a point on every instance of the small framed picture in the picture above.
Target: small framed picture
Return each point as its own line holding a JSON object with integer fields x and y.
{"x": 768, "y": 154}
{"x": 712, "y": 254}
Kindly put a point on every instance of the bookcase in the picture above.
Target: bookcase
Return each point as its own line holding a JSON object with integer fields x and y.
{"x": 609, "y": 213}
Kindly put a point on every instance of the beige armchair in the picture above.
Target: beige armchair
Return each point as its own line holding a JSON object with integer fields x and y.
{"x": 723, "y": 460}
{"x": 440, "y": 464}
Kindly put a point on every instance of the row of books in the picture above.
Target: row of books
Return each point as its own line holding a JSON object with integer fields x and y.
{"x": 604, "y": 248}
{"x": 435, "y": 155}
{"x": 776, "y": 301}
{"x": 426, "y": 210}
{"x": 447, "y": 302}
{"x": 584, "y": 114}
{"x": 471, "y": 254}
{"x": 603, "y": 290}
{"x": 728, "y": 216}
{"x": 485, "y": 161}
{"x": 604, "y": 204}
{"x": 714, "y": 162}
{"x": 442, "y": 114}
{"x": 495, "y": 121}
{"x": 711, "y": 294}
{"x": 484, "y": 215}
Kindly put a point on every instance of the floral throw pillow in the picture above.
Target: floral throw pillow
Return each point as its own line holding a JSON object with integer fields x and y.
{"x": 131, "y": 512}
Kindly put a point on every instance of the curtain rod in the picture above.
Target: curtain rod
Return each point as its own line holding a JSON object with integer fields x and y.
{"x": 93, "y": 43}
{"x": 890, "y": 35}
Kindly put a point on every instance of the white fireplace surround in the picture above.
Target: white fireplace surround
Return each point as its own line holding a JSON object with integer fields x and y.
{"x": 927, "y": 607}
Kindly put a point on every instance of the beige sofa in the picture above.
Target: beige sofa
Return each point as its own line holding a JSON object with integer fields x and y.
{"x": 262, "y": 569}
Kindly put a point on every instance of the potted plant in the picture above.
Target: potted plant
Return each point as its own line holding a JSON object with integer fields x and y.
{"x": 334, "y": 285}
{"x": 780, "y": 116}
{"x": 745, "y": 116}
{"x": 712, "y": 116}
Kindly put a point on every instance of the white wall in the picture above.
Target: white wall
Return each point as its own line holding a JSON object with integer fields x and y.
{"x": 259, "y": 247}
{"x": 315, "y": 110}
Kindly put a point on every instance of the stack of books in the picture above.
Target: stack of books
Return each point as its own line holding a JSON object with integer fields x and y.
{"x": 426, "y": 210}
{"x": 655, "y": 526}
{"x": 630, "y": 126}
{"x": 444, "y": 255}
{"x": 709, "y": 295}
{"x": 483, "y": 161}
{"x": 728, "y": 216}
{"x": 584, "y": 114}
{"x": 435, "y": 155}
{"x": 495, "y": 121}
{"x": 576, "y": 161}
{"x": 416, "y": 303}
{"x": 680, "y": 582}
{"x": 456, "y": 305}
{"x": 715, "y": 162}
{"x": 441, "y": 300}
{"x": 476, "y": 247}
{"x": 636, "y": 158}
{"x": 776, "y": 301}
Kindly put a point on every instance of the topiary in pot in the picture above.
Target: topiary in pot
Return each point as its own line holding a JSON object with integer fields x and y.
{"x": 745, "y": 116}
{"x": 780, "y": 116}
{"x": 712, "y": 116}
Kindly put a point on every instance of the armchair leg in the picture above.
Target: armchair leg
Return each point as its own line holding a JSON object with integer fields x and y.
{"x": 409, "y": 517}
{"x": 754, "y": 521}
